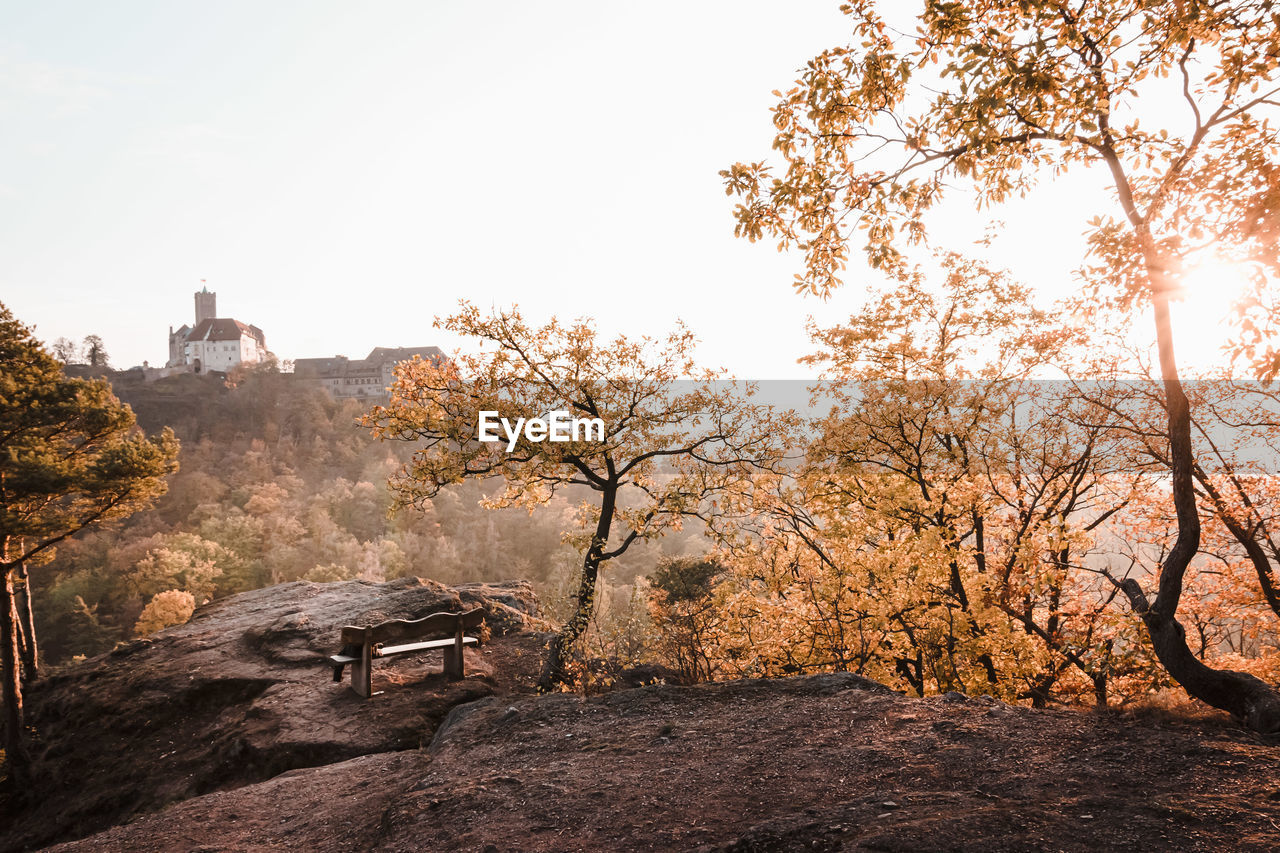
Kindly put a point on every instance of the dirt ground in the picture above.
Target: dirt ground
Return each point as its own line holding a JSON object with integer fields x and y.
{"x": 822, "y": 763}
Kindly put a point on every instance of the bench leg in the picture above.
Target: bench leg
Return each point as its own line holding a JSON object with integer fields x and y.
{"x": 453, "y": 667}
{"x": 347, "y": 652}
{"x": 362, "y": 672}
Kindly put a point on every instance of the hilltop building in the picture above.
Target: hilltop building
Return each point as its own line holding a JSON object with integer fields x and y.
{"x": 214, "y": 344}
{"x": 365, "y": 379}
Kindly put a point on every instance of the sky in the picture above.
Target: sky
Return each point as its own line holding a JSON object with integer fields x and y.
{"x": 340, "y": 173}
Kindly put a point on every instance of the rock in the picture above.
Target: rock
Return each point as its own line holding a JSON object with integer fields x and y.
{"x": 334, "y": 808}
{"x": 242, "y": 693}
{"x": 758, "y": 766}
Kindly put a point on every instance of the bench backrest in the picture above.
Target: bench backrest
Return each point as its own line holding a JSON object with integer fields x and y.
{"x": 442, "y": 624}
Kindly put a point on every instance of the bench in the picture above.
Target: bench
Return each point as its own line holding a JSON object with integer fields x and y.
{"x": 360, "y": 646}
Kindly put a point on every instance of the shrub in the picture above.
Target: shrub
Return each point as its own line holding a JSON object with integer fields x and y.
{"x": 166, "y": 609}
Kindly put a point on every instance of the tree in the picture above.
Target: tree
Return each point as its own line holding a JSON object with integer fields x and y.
{"x": 994, "y": 94}
{"x": 666, "y": 447}
{"x": 65, "y": 350}
{"x": 687, "y": 615}
{"x": 70, "y": 457}
{"x": 94, "y": 352}
{"x": 946, "y": 439}
{"x": 185, "y": 562}
{"x": 934, "y": 533}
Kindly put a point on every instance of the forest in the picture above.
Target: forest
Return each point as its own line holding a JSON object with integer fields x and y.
{"x": 276, "y": 483}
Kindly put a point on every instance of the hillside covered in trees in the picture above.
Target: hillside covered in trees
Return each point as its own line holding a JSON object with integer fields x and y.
{"x": 277, "y": 483}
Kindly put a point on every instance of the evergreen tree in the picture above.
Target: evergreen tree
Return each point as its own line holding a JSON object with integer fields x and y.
{"x": 71, "y": 457}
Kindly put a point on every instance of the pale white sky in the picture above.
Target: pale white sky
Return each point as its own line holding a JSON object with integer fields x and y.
{"x": 340, "y": 173}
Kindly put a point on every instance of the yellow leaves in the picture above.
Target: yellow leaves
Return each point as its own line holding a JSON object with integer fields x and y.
{"x": 674, "y": 438}
{"x": 164, "y": 610}
{"x": 1019, "y": 87}
{"x": 927, "y": 526}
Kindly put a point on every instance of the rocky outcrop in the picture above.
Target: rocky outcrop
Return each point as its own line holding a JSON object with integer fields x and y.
{"x": 825, "y": 762}
{"x": 241, "y": 694}
{"x": 232, "y": 720}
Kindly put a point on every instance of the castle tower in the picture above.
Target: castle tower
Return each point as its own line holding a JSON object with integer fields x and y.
{"x": 206, "y": 305}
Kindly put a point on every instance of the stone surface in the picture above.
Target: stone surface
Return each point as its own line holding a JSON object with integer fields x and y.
{"x": 829, "y": 762}
{"x": 242, "y": 693}
{"x": 232, "y": 722}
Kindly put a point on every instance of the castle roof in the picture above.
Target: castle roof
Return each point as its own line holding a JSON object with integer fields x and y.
{"x": 381, "y": 355}
{"x": 333, "y": 365}
{"x": 225, "y": 329}
{"x": 339, "y": 366}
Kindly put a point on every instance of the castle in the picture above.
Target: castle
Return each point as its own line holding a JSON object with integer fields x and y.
{"x": 364, "y": 379}
{"x": 215, "y": 344}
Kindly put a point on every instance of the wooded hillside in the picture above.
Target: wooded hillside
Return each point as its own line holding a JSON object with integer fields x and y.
{"x": 277, "y": 482}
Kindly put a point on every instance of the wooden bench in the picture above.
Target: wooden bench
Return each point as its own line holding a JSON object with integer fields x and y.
{"x": 361, "y": 645}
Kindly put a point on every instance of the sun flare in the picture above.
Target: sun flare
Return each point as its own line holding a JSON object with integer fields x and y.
{"x": 1200, "y": 312}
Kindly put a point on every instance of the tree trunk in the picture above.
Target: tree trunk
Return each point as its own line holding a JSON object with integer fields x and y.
{"x": 11, "y": 685}
{"x": 22, "y": 635}
{"x": 554, "y": 672}
{"x": 975, "y": 630}
{"x": 27, "y": 629}
{"x": 1040, "y": 689}
{"x": 912, "y": 671}
{"x": 1100, "y": 675}
{"x": 1247, "y": 698}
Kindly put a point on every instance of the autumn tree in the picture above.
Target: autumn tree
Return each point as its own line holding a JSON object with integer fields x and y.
{"x": 933, "y": 535}
{"x": 668, "y": 446}
{"x": 70, "y": 457}
{"x": 995, "y": 94}
{"x": 908, "y": 444}
{"x": 185, "y": 562}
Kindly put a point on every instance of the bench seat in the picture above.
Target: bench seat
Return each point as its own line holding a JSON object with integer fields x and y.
{"x": 409, "y": 648}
